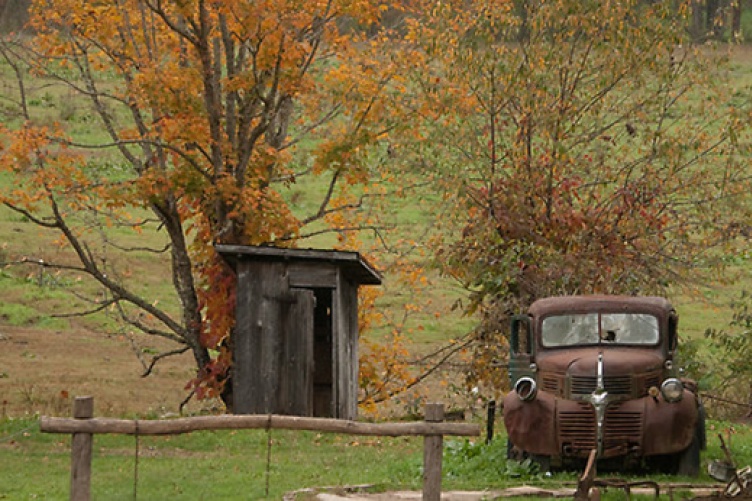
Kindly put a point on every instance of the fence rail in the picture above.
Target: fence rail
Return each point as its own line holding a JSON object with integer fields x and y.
{"x": 251, "y": 422}
{"x": 83, "y": 426}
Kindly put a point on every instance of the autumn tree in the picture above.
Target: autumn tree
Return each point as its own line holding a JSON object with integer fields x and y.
{"x": 584, "y": 147}
{"x": 197, "y": 113}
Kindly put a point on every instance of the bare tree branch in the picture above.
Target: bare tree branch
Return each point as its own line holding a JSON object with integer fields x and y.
{"x": 162, "y": 356}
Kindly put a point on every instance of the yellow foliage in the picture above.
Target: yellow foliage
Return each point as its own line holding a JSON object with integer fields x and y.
{"x": 199, "y": 107}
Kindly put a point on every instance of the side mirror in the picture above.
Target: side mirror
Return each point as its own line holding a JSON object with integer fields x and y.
{"x": 520, "y": 342}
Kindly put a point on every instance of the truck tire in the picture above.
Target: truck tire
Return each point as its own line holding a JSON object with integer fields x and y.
{"x": 688, "y": 461}
{"x": 515, "y": 454}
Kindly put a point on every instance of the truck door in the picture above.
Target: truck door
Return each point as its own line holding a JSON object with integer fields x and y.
{"x": 521, "y": 353}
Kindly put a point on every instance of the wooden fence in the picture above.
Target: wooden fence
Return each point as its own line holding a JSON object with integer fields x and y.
{"x": 84, "y": 426}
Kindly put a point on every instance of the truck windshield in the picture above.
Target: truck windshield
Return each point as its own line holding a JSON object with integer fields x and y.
{"x": 594, "y": 328}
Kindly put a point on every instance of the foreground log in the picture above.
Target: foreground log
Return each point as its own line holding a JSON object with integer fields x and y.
{"x": 250, "y": 422}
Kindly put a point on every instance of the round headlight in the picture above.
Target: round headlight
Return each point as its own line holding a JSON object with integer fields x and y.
{"x": 526, "y": 388}
{"x": 672, "y": 390}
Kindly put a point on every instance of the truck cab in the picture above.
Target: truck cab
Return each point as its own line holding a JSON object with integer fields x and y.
{"x": 597, "y": 373}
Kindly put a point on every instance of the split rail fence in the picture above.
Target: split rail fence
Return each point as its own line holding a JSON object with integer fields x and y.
{"x": 83, "y": 426}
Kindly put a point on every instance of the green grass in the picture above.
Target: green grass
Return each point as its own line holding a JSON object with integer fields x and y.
{"x": 233, "y": 464}
{"x": 203, "y": 465}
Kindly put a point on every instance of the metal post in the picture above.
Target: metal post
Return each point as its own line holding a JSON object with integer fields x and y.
{"x": 491, "y": 417}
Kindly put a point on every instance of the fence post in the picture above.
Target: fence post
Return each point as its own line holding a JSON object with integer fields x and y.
{"x": 433, "y": 448}
{"x": 80, "y": 490}
{"x": 491, "y": 417}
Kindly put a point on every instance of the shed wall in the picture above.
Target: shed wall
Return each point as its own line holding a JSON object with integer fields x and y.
{"x": 346, "y": 348}
{"x": 274, "y": 355}
{"x": 257, "y": 343}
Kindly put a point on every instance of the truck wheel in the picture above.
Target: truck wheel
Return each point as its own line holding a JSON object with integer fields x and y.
{"x": 515, "y": 454}
{"x": 543, "y": 462}
{"x": 688, "y": 461}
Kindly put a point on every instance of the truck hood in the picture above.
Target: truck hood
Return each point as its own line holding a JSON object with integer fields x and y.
{"x": 584, "y": 362}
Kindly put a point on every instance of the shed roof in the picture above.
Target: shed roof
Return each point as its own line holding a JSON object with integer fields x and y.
{"x": 352, "y": 263}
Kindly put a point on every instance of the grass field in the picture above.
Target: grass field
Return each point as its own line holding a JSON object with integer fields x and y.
{"x": 260, "y": 465}
{"x": 203, "y": 465}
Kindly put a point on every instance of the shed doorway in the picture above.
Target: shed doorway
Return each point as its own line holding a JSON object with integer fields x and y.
{"x": 323, "y": 349}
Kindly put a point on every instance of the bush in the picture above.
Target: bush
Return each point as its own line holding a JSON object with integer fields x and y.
{"x": 734, "y": 375}
{"x": 485, "y": 462}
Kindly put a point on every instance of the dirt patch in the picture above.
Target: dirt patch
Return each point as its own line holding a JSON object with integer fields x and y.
{"x": 42, "y": 371}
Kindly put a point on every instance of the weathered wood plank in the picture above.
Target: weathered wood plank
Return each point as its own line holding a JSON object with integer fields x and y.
{"x": 356, "y": 267}
{"x": 240, "y": 422}
{"x": 296, "y": 385}
{"x": 81, "y": 451}
{"x": 257, "y": 352}
{"x": 274, "y": 301}
{"x": 433, "y": 447}
{"x": 244, "y": 354}
{"x": 350, "y": 292}
{"x": 312, "y": 276}
{"x": 345, "y": 336}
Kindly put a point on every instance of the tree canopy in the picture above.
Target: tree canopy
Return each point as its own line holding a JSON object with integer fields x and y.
{"x": 196, "y": 110}
{"x": 585, "y": 147}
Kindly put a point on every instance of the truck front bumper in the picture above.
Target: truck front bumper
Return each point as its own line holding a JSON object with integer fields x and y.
{"x": 556, "y": 427}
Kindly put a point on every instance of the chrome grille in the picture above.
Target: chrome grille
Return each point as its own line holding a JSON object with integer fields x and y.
{"x": 577, "y": 429}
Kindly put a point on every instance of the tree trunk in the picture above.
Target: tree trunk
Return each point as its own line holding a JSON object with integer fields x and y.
{"x": 524, "y": 32}
{"x": 697, "y": 24}
{"x": 713, "y": 20}
{"x": 13, "y": 14}
{"x": 736, "y": 20}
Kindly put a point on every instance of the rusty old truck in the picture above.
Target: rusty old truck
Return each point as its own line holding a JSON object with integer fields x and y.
{"x": 598, "y": 373}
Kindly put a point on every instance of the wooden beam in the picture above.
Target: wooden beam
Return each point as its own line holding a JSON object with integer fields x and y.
{"x": 433, "y": 449}
{"x": 238, "y": 422}
{"x": 81, "y": 446}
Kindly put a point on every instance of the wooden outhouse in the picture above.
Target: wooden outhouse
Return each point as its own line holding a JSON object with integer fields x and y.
{"x": 295, "y": 343}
